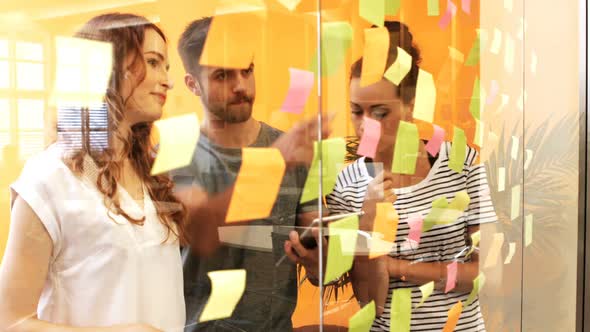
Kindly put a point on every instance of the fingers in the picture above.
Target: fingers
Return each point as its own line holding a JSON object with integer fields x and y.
{"x": 296, "y": 245}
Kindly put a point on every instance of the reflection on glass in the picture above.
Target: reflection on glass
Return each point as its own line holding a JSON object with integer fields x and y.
{"x": 70, "y": 119}
{"x": 4, "y": 74}
{"x": 30, "y": 126}
{"x": 3, "y": 48}
{"x": 4, "y": 122}
{"x": 29, "y": 76}
{"x": 29, "y": 51}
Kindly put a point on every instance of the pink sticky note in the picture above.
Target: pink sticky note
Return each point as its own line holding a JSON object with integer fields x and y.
{"x": 446, "y": 18}
{"x": 466, "y": 6}
{"x": 415, "y": 224}
{"x": 370, "y": 139}
{"x": 451, "y": 276}
{"x": 494, "y": 89}
{"x": 299, "y": 90}
{"x": 435, "y": 142}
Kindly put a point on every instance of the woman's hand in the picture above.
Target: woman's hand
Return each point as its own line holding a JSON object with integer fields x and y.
{"x": 308, "y": 258}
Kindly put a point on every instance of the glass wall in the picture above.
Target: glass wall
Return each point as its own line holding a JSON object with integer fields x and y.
{"x": 434, "y": 147}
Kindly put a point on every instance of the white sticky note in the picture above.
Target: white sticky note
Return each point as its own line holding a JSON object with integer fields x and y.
{"x": 227, "y": 287}
{"x": 509, "y": 54}
{"x": 494, "y": 250}
{"x": 511, "y": 251}
{"x": 514, "y": 150}
{"x": 425, "y": 100}
{"x": 508, "y": 5}
{"x": 496, "y": 42}
{"x": 501, "y": 179}
{"x": 290, "y": 4}
{"x": 529, "y": 158}
{"x": 528, "y": 230}
{"x": 178, "y": 139}
{"x": 515, "y": 206}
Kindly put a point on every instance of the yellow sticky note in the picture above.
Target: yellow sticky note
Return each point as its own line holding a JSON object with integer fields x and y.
{"x": 475, "y": 238}
{"x": 290, "y": 4}
{"x": 341, "y": 245}
{"x": 456, "y": 55}
{"x": 332, "y": 159}
{"x": 406, "y": 149}
{"x": 479, "y": 133}
{"x": 494, "y": 250}
{"x": 362, "y": 320}
{"x": 426, "y": 290}
{"x": 511, "y": 252}
{"x": 384, "y": 230}
{"x": 514, "y": 150}
{"x": 257, "y": 184}
{"x": 425, "y": 99}
{"x": 528, "y": 230}
{"x": 401, "y": 310}
{"x": 433, "y": 8}
{"x": 515, "y": 206}
{"x": 478, "y": 283}
{"x": 509, "y": 54}
{"x": 529, "y": 158}
{"x": 508, "y": 5}
{"x": 178, "y": 139}
{"x": 496, "y": 42}
{"x": 392, "y": 7}
{"x": 501, "y": 179}
{"x": 453, "y": 317}
{"x": 227, "y": 287}
{"x": 458, "y": 150}
{"x": 375, "y": 55}
{"x": 373, "y": 11}
{"x": 400, "y": 68}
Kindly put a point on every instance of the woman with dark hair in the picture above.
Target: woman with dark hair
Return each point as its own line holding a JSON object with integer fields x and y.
{"x": 94, "y": 240}
{"x": 359, "y": 187}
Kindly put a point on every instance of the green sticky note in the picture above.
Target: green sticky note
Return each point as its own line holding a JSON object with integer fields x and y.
{"x": 458, "y": 150}
{"x": 474, "y": 106}
{"x": 401, "y": 310}
{"x": 336, "y": 40}
{"x": 438, "y": 207}
{"x": 461, "y": 201}
{"x": 473, "y": 57}
{"x": 341, "y": 245}
{"x": 392, "y": 7}
{"x": 478, "y": 283}
{"x": 406, "y": 149}
{"x": 333, "y": 153}
{"x": 373, "y": 11}
{"x": 426, "y": 290}
{"x": 433, "y": 8}
{"x": 475, "y": 238}
{"x": 528, "y": 230}
{"x": 443, "y": 213}
{"x": 362, "y": 319}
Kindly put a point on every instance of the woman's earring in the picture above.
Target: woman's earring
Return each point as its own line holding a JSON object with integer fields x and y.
{"x": 126, "y": 75}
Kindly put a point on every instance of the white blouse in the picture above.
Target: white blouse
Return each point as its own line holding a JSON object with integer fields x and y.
{"x": 102, "y": 272}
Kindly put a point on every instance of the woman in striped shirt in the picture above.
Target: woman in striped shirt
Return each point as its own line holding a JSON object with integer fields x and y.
{"x": 359, "y": 187}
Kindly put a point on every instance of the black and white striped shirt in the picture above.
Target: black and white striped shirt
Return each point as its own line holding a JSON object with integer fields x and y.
{"x": 442, "y": 243}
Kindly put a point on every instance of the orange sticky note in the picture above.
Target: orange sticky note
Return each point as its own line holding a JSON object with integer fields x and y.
{"x": 453, "y": 319}
{"x": 232, "y": 39}
{"x": 257, "y": 184}
{"x": 375, "y": 55}
{"x": 384, "y": 230}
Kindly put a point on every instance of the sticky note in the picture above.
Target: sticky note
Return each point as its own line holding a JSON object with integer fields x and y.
{"x": 448, "y": 15}
{"x": 370, "y": 139}
{"x": 496, "y": 42}
{"x": 385, "y": 225}
{"x": 509, "y": 54}
{"x": 475, "y": 238}
{"x": 332, "y": 158}
{"x": 508, "y": 5}
{"x": 336, "y": 40}
{"x": 426, "y": 290}
{"x": 514, "y": 150}
{"x": 515, "y": 206}
{"x": 415, "y": 223}
{"x": 534, "y": 62}
{"x": 224, "y": 7}
{"x": 474, "y": 105}
{"x": 343, "y": 235}
{"x": 511, "y": 251}
{"x": 406, "y": 149}
{"x": 478, "y": 283}
{"x": 401, "y": 310}
{"x": 392, "y": 7}
{"x": 178, "y": 139}
{"x": 232, "y": 39}
{"x": 261, "y": 172}
{"x": 300, "y": 87}
{"x": 433, "y": 8}
{"x": 473, "y": 57}
{"x": 528, "y": 230}
{"x": 466, "y": 6}
{"x": 443, "y": 213}
{"x": 451, "y": 276}
{"x": 461, "y": 201}
{"x": 458, "y": 150}
{"x": 400, "y": 68}
{"x": 375, "y": 54}
{"x": 372, "y": 11}
{"x": 425, "y": 99}
{"x": 435, "y": 142}
{"x": 494, "y": 89}
{"x": 529, "y": 158}
{"x": 362, "y": 320}
{"x": 501, "y": 179}
{"x": 456, "y": 55}
{"x": 227, "y": 287}
{"x": 478, "y": 137}
{"x": 521, "y": 100}
{"x": 290, "y": 4}
{"x": 453, "y": 317}
{"x": 494, "y": 250}
{"x": 439, "y": 206}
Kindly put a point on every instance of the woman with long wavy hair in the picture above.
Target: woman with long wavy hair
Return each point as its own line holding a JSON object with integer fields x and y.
{"x": 94, "y": 240}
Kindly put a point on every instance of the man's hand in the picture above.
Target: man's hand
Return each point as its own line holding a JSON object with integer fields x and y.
{"x": 298, "y": 254}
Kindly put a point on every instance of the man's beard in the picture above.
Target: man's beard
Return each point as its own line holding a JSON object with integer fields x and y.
{"x": 234, "y": 112}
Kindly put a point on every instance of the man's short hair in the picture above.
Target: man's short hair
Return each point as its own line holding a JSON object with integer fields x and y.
{"x": 192, "y": 42}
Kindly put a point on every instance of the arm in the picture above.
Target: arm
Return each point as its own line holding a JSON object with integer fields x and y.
{"x": 23, "y": 273}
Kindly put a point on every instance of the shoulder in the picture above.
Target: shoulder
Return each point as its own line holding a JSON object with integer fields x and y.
{"x": 353, "y": 174}
{"x": 269, "y": 133}
{"x": 47, "y": 165}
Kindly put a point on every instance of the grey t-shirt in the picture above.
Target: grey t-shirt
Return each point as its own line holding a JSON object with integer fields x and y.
{"x": 271, "y": 292}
